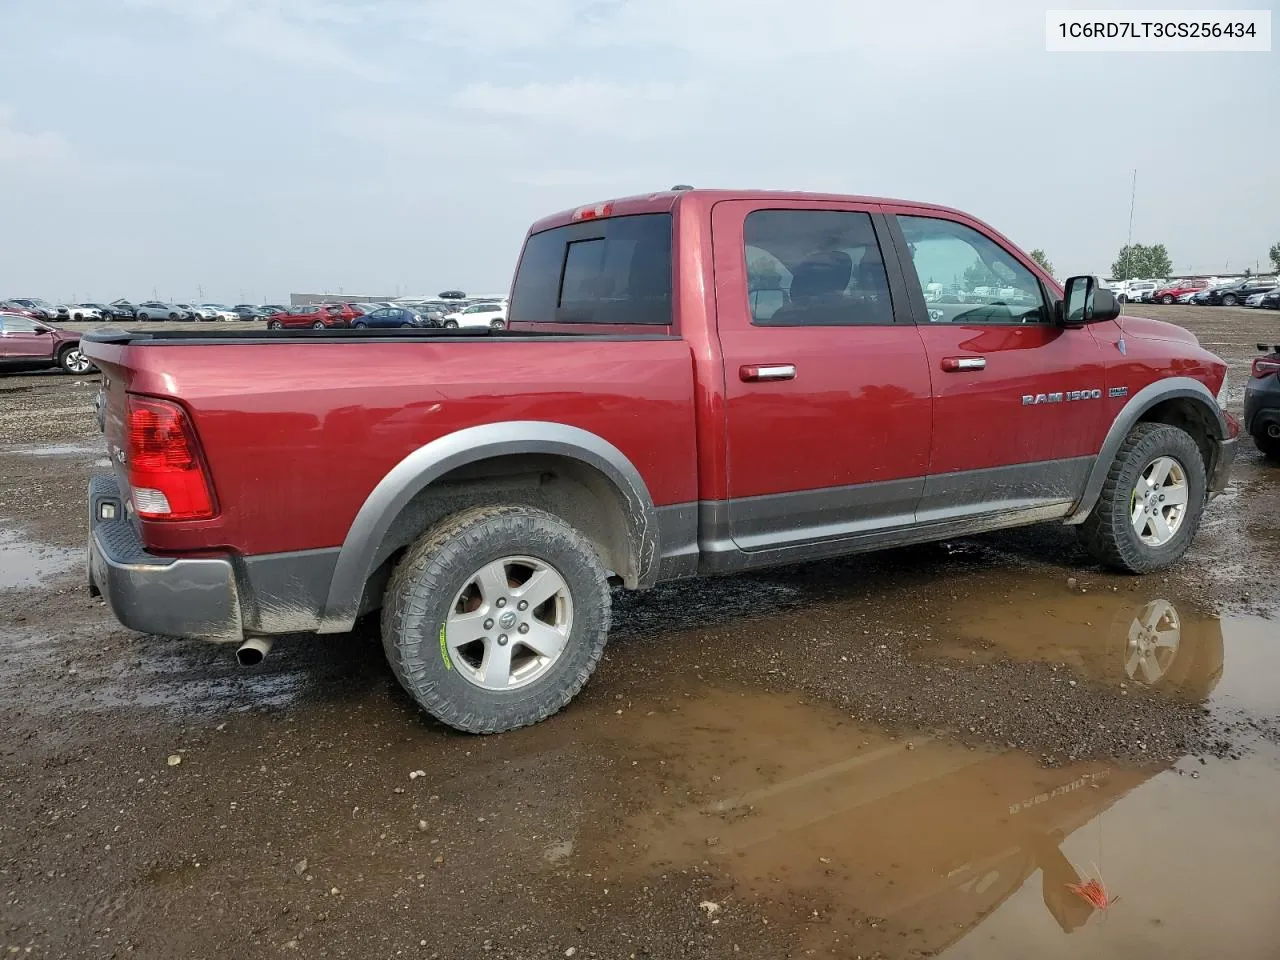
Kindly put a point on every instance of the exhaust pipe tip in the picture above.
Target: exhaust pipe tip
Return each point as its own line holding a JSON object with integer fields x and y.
{"x": 253, "y": 651}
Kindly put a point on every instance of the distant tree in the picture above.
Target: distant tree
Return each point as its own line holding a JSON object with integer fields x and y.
{"x": 1139, "y": 261}
{"x": 1274, "y": 254}
{"x": 1042, "y": 258}
{"x": 978, "y": 275}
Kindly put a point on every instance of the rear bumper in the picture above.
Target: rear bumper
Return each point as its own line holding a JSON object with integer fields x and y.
{"x": 1261, "y": 404}
{"x": 150, "y": 594}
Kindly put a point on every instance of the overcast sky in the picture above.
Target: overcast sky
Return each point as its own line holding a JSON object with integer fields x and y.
{"x": 250, "y": 148}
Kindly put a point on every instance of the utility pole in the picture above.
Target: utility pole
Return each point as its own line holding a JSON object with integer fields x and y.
{"x": 1128, "y": 247}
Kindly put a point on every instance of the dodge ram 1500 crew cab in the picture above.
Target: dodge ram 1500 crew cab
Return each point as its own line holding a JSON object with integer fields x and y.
{"x": 693, "y": 382}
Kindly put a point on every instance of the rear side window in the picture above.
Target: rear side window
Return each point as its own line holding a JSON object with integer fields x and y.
{"x": 615, "y": 270}
{"x": 814, "y": 268}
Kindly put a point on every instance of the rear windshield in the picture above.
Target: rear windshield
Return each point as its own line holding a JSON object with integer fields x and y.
{"x": 615, "y": 270}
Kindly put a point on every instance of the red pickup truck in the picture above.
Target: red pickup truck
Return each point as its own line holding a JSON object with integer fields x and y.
{"x": 694, "y": 382}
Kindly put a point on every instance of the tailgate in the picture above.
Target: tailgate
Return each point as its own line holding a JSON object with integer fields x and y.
{"x": 110, "y": 403}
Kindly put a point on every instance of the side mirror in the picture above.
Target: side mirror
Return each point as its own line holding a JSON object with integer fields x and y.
{"x": 1087, "y": 301}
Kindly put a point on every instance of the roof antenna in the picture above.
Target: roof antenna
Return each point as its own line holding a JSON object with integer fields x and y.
{"x": 681, "y": 186}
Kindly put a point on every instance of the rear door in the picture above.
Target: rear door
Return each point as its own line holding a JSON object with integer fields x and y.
{"x": 1018, "y": 400}
{"x": 827, "y": 388}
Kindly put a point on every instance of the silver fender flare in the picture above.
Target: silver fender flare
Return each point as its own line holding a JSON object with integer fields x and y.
{"x": 1173, "y": 388}
{"x": 428, "y": 463}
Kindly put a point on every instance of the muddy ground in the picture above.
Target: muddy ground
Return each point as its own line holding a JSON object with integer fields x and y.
{"x": 907, "y": 754}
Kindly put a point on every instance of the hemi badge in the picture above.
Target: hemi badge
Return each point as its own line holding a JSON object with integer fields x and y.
{"x": 1118, "y": 392}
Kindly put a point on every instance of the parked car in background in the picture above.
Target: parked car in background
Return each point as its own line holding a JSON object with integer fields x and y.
{"x": 1262, "y": 401}
{"x": 315, "y": 316}
{"x": 1178, "y": 288}
{"x": 347, "y": 311}
{"x": 41, "y": 308}
{"x": 267, "y": 309}
{"x": 107, "y": 310}
{"x": 195, "y": 312}
{"x": 30, "y": 344}
{"x": 156, "y": 310}
{"x": 1240, "y": 290}
{"x": 490, "y": 315}
{"x": 220, "y": 311}
{"x": 13, "y": 306}
{"x": 1187, "y": 297}
{"x": 81, "y": 312}
{"x": 1271, "y": 301}
{"x": 124, "y": 310}
{"x": 248, "y": 311}
{"x": 392, "y": 317}
{"x": 1255, "y": 299}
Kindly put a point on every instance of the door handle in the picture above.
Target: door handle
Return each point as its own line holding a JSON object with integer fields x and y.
{"x": 758, "y": 372}
{"x": 957, "y": 364}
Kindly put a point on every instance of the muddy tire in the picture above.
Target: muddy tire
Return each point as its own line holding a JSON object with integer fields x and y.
{"x": 468, "y": 631}
{"x": 1157, "y": 465}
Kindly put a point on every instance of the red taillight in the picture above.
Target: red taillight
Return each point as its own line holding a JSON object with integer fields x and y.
{"x": 593, "y": 212}
{"x": 1264, "y": 367}
{"x": 165, "y": 469}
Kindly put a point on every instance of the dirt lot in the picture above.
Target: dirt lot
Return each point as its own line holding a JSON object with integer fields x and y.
{"x": 899, "y": 755}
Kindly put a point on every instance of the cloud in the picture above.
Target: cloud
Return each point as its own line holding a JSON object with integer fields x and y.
{"x": 29, "y": 150}
{"x": 629, "y": 110}
{"x": 295, "y": 32}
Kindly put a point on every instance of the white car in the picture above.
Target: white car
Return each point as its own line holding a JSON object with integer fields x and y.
{"x": 82, "y": 312}
{"x": 220, "y": 311}
{"x": 1186, "y": 297}
{"x": 196, "y": 312}
{"x": 1255, "y": 300}
{"x": 491, "y": 315}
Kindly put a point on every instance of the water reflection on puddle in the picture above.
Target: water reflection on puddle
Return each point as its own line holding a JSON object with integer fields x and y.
{"x": 858, "y": 841}
{"x": 24, "y": 563}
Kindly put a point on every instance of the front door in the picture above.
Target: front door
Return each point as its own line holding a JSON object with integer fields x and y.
{"x": 22, "y": 339}
{"x": 1018, "y": 400}
{"x": 827, "y": 413}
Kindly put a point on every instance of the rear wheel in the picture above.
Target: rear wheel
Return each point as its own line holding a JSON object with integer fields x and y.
{"x": 360, "y": 325}
{"x": 73, "y": 360}
{"x": 451, "y": 324}
{"x": 1166, "y": 300}
{"x": 497, "y": 325}
{"x": 1229, "y": 300}
{"x": 274, "y": 325}
{"x": 496, "y": 618}
{"x": 318, "y": 325}
{"x": 1151, "y": 501}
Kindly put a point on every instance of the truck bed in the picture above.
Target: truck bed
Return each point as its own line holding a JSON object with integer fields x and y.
{"x": 299, "y": 427}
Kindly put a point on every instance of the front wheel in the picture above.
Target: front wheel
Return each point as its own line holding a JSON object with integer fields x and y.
{"x": 1166, "y": 300}
{"x": 73, "y": 360}
{"x": 318, "y": 325}
{"x": 360, "y": 325}
{"x": 1229, "y": 300}
{"x": 451, "y": 324}
{"x": 274, "y": 325}
{"x": 496, "y": 618}
{"x": 1151, "y": 502}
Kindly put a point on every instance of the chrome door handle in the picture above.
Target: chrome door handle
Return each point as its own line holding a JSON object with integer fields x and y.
{"x": 958, "y": 364}
{"x": 758, "y": 372}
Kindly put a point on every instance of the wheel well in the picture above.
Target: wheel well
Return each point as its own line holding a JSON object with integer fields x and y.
{"x": 574, "y": 491}
{"x": 1192, "y": 417}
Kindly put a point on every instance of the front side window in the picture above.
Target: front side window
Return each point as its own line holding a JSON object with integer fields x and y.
{"x": 966, "y": 277}
{"x": 814, "y": 268}
{"x": 615, "y": 270}
{"x": 18, "y": 325}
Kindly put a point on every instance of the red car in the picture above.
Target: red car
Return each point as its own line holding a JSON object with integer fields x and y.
{"x": 30, "y": 344}
{"x": 693, "y": 382}
{"x": 316, "y": 316}
{"x": 1171, "y": 293}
